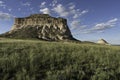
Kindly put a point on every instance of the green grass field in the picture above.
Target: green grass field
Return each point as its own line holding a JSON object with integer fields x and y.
{"x": 42, "y": 60}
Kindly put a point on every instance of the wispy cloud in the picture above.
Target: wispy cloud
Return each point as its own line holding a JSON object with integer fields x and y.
{"x": 75, "y": 24}
{"x": 72, "y": 6}
{"x": 5, "y": 16}
{"x": 105, "y": 25}
{"x": 45, "y": 10}
{"x": 61, "y": 10}
{"x": 101, "y": 27}
{"x": 54, "y": 3}
{"x": 42, "y": 4}
{"x": 78, "y": 13}
{"x": 69, "y": 10}
{"x": 26, "y": 4}
{"x": 2, "y": 4}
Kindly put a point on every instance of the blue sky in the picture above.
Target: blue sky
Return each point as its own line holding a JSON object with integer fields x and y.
{"x": 88, "y": 20}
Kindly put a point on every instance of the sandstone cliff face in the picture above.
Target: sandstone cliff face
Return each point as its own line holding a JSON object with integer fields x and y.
{"x": 102, "y": 41}
{"x": 41, "y": 26}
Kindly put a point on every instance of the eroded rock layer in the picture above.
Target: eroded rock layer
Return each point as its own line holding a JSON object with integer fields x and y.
{"x": 41, "y": 26}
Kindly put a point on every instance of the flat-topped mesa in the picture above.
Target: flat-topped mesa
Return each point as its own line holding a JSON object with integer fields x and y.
{"x": 41, "y": 26}
{"x": 39, "y": 19}
{"x": 39, "y": 15}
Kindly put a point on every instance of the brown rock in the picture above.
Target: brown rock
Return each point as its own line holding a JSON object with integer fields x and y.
{"x": 102, "y": 41}
{"x": 41, "y": 26}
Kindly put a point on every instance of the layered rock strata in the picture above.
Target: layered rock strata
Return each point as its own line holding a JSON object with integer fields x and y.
{"x": 41, "y": 26}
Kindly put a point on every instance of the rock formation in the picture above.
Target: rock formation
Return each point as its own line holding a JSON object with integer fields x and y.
{"x": 102, "y": 41}
{"x": 41, "y": 26}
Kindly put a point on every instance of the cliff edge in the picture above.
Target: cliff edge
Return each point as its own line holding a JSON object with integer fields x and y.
{"x": 40, "y": 26}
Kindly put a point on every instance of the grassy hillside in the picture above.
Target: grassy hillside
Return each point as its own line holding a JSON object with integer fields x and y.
{"x": 39, "y": 60}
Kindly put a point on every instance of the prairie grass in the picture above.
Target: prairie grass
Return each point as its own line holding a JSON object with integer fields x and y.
{"x": 42, "y": 60}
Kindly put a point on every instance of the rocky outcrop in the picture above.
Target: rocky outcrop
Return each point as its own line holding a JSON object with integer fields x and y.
{"x": 41, "y": 26}
{"x": 102, "y": 41}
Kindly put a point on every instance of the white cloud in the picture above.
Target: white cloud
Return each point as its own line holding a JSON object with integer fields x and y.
{"x": 61, "y": 10}
{"x": 68, "y": 10}
{"x": 105, "y": 25}
{"x": 78, "y": 13}
{"x": 45, "y": 11}
{"x": 101, "y": 27}
{"x": 98, "y": 28}
{"x": 2, "y": 4}
{"x": 84, "y": 11}
{"x": 26, "y": 4}
{"x": 5, "y": 16}
{"x": 72, "y": 7}
{"x": 54, "y": 3}
{"x": 113, "y": 20}
{"x": 42, "y": 4}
